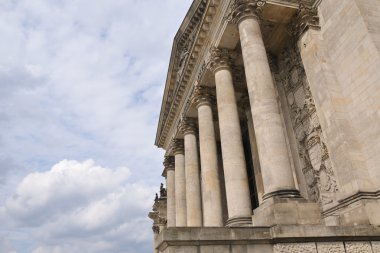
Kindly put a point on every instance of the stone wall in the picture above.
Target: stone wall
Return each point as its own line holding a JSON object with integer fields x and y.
{"x": 342, "y": 65}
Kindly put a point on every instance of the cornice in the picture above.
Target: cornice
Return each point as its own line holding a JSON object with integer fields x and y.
{"x": 181, "y": 49}
{"x": 176, "y": 86}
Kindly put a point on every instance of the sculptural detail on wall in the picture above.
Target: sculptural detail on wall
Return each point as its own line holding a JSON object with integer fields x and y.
{"x": 313, "y": 152}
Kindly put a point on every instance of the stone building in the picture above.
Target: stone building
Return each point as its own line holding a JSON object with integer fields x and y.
{"x": 271, "y": 124}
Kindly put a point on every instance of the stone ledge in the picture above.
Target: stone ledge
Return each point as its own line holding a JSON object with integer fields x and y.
{"x": 268, "y": 235}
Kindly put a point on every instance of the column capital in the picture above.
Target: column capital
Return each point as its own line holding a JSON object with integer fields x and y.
{"x": 202, "y": 96}
{"x": 306, "y": 18}
{"x": 169, "y": 163}
{"x": 188, "y": 125}
{"x": 241, "y": 9}
{"x": 221, "y": 58}
{"x": 177, "y": 146}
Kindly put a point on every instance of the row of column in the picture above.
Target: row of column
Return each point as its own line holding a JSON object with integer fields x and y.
{"x": 271, "y": 143}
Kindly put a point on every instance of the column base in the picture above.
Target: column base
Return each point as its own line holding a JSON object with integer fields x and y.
{"x": 286, "y": 211}
{"x": 291, "y": 193}
{"x": 239, "y": 222}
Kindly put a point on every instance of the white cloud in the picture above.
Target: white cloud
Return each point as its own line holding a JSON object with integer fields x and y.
{"x": 81, "y": 79}
{"x": 75, "y": 207}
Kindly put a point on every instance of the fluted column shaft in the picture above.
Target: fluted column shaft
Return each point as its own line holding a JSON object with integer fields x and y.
{"x": 235, "y": 173}
{"x": 271, "y": 142}
{"x": 211, "y": 192}
{"x": 170, "y": 188}
{"x": 180, "y": 184}
{"x": 193, "y": 187}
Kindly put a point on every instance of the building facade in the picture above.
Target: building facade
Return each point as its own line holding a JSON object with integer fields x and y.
{"x": 271, "y": 125}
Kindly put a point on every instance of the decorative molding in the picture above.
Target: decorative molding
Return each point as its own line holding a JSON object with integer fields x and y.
{"x": 242, "y": 9}
{"x": 350, "y": 200}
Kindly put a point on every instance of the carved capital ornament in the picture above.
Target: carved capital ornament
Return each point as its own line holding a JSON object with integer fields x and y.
{"x": 177, "y": 146}
{"x": 188, "y": 125}
{"x": 202, "y": 96}
{"x": 306, "y": 18}
{"x": 220, "y": 59}
{"x": 169, "y": 163}
{"x": 242, "y": 9}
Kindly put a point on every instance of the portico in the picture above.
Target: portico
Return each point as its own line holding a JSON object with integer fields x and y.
{"x": 240, "y": 122}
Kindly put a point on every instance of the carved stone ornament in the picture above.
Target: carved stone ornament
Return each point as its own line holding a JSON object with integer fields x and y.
{"x": 306, "y": 18}
{"x": 202, "y": 95}
{"x": 221, "y": 58}
{"x": 313, "y": 153}
{"x": 169, "y": 162}
{"x": 163, "y": 192}
{"x": 156, "y": 229}
{"x": 241, "y": 9}
{"x": 188, "y": 125}
{"x": 177, "y": 146}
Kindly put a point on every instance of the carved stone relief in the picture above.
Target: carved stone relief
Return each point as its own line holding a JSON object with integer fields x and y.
{"x": 295, "y": 248}
{"x": 313, "y": 153}
{"x": 330, "y": 247}
{"x": 358, "y": 247}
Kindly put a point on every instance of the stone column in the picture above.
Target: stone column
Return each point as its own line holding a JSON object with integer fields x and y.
{"x": 211, "y": 192}
{"x": 180, "y": 183}
{"x": 235, "y": 173}
{"x": 193, "y": 185}
{"x": 170, "y": 187}
{"x": 271, "y": 142}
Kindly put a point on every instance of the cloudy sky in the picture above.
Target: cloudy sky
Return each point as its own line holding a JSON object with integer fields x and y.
{"x": 81, "y": 83}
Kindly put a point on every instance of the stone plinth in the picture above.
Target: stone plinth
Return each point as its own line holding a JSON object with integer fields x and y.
{"x": 276, "y": 239}
{"x": 285, "y": 211}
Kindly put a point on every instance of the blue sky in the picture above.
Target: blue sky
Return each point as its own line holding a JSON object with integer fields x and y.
{"x": 81, "y": 83}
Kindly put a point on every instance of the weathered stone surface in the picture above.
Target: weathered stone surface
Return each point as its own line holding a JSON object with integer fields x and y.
{"x": 295, "y": 248}
{"x": 375, "y": 247}
{"x": 358, "y": 247}
{"x": 330, "y": 247}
